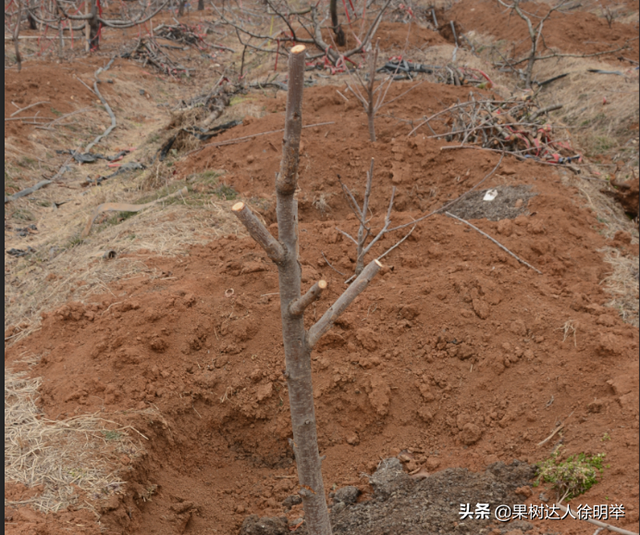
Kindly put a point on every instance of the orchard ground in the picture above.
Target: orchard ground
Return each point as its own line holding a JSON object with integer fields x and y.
{"x": 144, "y": 387}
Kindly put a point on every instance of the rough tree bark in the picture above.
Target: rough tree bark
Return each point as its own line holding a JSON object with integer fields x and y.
{"x": 16, "y": 38}
{"x": 94, "y": 26}
{"x": 341, "y": 40}
{"x": 298, "y": 343}
{"x": 33, "y": 25}
{"x": 371, "y": 111}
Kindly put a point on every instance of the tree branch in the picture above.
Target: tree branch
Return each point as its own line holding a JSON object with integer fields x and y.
{"x": 297, "y": 307}
{"x": 494, "y": 241}
{"x": 335, "y": 311}
{"x": 259, "y": 232}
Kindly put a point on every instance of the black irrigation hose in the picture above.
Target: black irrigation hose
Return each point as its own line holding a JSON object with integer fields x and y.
{"x": 540, "y": 84}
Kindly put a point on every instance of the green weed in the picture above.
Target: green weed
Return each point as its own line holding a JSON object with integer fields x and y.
{"x": 25, "y": 161}
{"x": 603, "y": 144}
{"x": 572, "y": 477}
{"x": 112, "y": 435}
{"x": 119, "y": 217}
{"x": 22, "y": 214}
{"x": 223, "y": 191}
{"x": 76, "y": 240}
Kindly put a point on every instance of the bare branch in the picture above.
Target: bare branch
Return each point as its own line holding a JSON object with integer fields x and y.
{"x": 128, "y": 24}
{"x": 494, "y": 241}
{"x": 297, "y": 307}
{"x": 259, "y": 232}
{"x": 450, "y": 204}
{"x": 335, "y": 311}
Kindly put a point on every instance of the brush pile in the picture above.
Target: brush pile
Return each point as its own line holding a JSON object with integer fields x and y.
{"x": 148, "y": 51}
{"x": 514, "y": 126}
{"x": 184, "y": 34}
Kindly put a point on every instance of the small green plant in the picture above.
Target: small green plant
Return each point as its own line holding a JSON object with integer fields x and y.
{"x": 603, "y": 144}
{"x": 572, "y": 477}
{"x": 223, "y": 191}
{"x": 56, "y": 112}
{"x": 76, "y": 240}
{"x": 25, "y": 161}
{"x": 22, "y": 214}
{"x": 122, "y": 216}
{"x": 606, "y": 437}
{"x": 112, "y": 435}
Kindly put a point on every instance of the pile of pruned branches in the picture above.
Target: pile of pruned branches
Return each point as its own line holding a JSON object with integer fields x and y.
{"x": 149, "y": 52}
{"x": 452, "y": 75}
{"x": 516, "y": 126}
{"x": 184, "y": 34}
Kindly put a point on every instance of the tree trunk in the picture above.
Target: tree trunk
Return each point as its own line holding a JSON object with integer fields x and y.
{"x": 94, "y": 34}
{"x": 299, "y": 343}
{"x": 181, "y": 7}
{"x": 335, "y": 24}
{"x": 297, "y": 352}
{"x": 94, "y": 27}
{"x": 16, "y": 38}
{"x": 200, "y": 5}
{"x": 33, "y": 24}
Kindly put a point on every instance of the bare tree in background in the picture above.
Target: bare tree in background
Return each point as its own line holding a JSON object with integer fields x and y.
{"x": 304, "y": 27}
{"x": 57, "y": 17}
{"x": 536, "y": 36}
{"x": 535, "y": 32}
{"x": 299, "y": 342}
{"x": 341, "y": 40}
{"x": 16, "y": 36}
{"x": 373, "y": 98}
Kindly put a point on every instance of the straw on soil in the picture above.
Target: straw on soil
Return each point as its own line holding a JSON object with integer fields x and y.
{"x": 599, "y": 108}
{"x": 64, "y": 267}
{"x": 63, "y": 457}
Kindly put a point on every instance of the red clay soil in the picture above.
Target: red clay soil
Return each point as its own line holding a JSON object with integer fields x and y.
{"x": 573, "y": 32}
{"x": 455, "y": 350}
{"x": 64, "y": 95}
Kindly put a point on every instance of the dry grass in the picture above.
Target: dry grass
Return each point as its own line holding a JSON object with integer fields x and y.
{"x": 599, "y": 128}
{"x": 569, "y": 329}
{"x": 65, "y": 267}
{"x": 622, "y": 284}
{"x": 62, "y": 457}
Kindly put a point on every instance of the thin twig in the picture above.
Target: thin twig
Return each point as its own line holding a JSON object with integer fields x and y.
{"x": 27, "y": 107}
{"x": 454, "y": 201}
{"x": 329, "y": 264}
{"x": 494, "y": 241}
{"x": 601, "y": 524}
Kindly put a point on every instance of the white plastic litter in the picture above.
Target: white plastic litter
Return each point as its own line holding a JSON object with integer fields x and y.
{"x": 490, "y": 195}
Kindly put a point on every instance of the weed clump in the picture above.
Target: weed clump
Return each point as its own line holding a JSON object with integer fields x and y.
{"x": 572, "y": 477}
